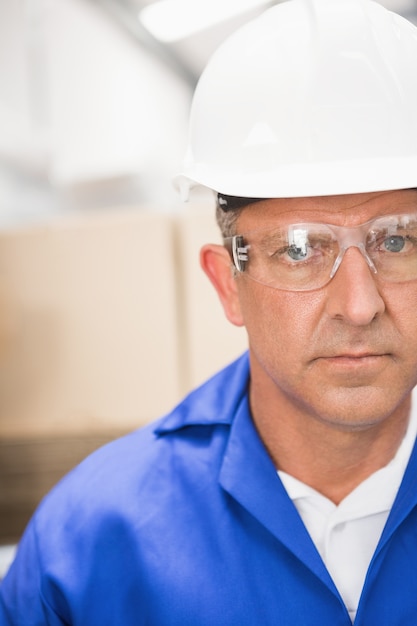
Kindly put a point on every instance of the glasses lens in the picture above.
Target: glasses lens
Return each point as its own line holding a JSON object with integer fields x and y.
{"x": 298, "y": 258}
{"x": 392, "y": 245}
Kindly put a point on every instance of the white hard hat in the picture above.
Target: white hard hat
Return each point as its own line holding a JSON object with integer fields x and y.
{"x": 314, "y": 97}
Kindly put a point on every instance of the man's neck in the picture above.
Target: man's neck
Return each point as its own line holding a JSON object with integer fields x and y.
{"x": 332, "y": 460}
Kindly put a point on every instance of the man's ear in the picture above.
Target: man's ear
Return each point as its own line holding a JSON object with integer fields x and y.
{"x": 216, "y": 263}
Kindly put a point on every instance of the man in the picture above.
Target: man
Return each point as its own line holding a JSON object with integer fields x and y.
{"x": 284, "y": 490}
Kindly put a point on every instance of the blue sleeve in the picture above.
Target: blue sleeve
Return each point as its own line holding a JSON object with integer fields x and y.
{"x": 21, "y": 599}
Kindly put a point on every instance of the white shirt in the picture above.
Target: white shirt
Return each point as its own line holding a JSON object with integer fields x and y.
{"x": 346, "y": 535}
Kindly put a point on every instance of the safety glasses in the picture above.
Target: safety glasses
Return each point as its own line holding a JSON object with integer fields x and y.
{"x": 306, "y": 256}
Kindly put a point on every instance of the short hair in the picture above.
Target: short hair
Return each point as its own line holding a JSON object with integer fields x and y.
{"x": 226, "y": 221}
{"x": 228, "y": 209}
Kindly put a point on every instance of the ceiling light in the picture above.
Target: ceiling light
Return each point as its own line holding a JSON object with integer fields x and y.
{"x": 171, "y": 20}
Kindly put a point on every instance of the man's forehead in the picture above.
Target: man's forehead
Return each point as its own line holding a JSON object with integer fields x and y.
{"x": 354, "y": 208}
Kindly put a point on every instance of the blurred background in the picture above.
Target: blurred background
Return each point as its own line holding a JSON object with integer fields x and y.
{"x": 106, "y": 320}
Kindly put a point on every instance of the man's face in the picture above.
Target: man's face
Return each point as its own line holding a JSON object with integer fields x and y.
{"x": 345, "y": 353}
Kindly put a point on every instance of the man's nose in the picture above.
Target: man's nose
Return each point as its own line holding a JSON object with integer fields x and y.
{"x": 353, "y": 293}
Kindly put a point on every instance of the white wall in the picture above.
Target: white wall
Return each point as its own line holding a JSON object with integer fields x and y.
{"x": 82, "y": 102}
{"x": 114, "y": 110}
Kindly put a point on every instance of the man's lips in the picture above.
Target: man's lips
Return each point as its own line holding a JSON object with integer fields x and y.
{"x": 355, "y": 359}
{"x": 356, "y": 356}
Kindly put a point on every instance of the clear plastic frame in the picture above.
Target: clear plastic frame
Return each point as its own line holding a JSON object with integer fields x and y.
{"x": 306, "y": 256}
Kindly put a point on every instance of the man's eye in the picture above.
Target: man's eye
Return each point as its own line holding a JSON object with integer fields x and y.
{"x": 395, "y": 243}
{"x": 296, "y": 253}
